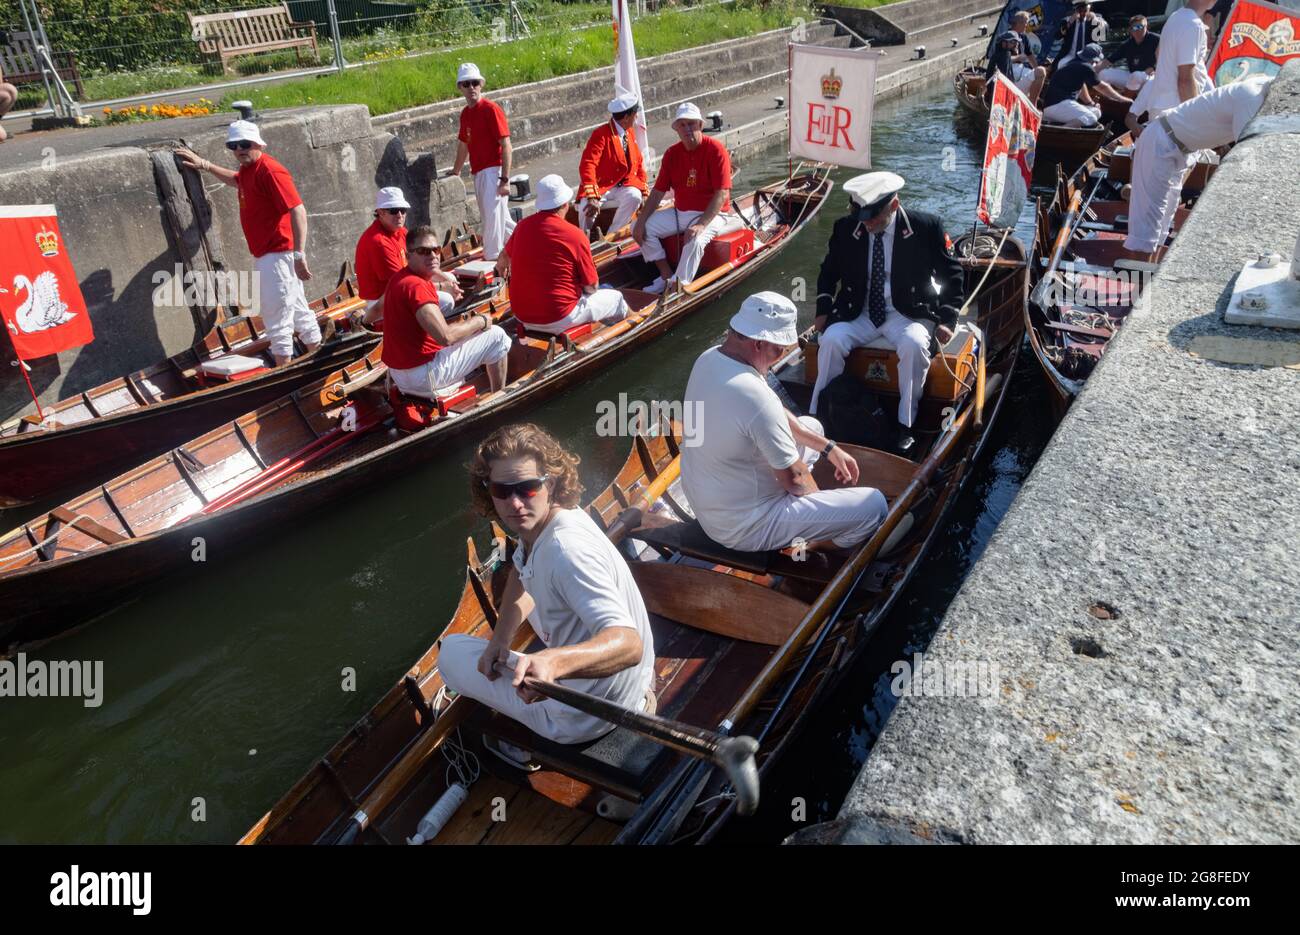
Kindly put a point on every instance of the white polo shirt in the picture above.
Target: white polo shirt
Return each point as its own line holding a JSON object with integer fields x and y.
{"x": 744, "y": 435}
{"x": 1182, "y": 42}
{"x": 580, "y": 585}
{"x": 1218, "y": 117}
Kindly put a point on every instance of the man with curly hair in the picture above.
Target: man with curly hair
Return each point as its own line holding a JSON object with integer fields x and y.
{"x": 568, "y": 581}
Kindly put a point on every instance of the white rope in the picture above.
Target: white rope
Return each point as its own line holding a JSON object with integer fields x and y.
{"x": 50, "y": 538}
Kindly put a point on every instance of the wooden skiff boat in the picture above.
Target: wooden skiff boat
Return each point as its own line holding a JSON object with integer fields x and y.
{"x": 304, "y": 450}
{"x": 1087, "y": 282}
{"x": 101, "y": 432}
{"x": 747, "y": 643}
{"x": 1067, "y": 145}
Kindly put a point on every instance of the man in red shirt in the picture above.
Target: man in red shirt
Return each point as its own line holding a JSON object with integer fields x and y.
{"x": 698, "y": 170}
{"x": 275, "y": 226}
{"x": 485, "y": 141}
{"x": 553, "y": 282}
{"x": 423, "y": 351}
{"x": 381, "y": 252}
{"x": 611, "y": 172}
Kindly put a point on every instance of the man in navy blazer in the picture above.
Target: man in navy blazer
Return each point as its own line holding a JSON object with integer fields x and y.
{"x": 887, "y": 273}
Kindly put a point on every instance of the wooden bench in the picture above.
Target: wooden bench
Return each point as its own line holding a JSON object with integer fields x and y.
{"x": 19, "y": 65}
{"x": 247, "y": 32}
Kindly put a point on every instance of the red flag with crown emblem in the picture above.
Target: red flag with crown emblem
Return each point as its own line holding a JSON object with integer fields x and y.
{"x": 40, "y": 301}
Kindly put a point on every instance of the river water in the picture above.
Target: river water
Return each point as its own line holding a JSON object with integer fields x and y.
{"x": 221, "y": 686}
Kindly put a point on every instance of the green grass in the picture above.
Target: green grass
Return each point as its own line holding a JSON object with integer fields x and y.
{"x": 394, "y": 85}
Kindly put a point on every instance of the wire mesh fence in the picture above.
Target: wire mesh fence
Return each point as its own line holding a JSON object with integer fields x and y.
{"x": 125, "y": 49}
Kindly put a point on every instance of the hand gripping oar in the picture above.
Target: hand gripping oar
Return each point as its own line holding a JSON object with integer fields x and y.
{"x": 734, "y": 755}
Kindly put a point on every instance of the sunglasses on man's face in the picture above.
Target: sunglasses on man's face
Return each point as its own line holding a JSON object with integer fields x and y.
{"x": 239, "y": 144}
{"x": 525, "y": 489}
{"x": 395, "y": 211}
{"x": 1138, "y": 28}
{"x": 424, "y": 251}
{"x": 471, "y": 84}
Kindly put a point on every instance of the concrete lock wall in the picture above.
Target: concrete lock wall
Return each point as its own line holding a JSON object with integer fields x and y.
{"x": 113, "y": 224}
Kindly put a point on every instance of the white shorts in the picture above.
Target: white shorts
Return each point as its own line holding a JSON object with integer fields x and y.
{"x": 451, "y": 365}
{"x": 601, "y": 305}
{"x": 283, "y": 304}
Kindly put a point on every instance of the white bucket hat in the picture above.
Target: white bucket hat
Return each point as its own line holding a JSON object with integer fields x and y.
{"x": 391, "y": 197}
{"x": 625, "y": 101}
{"x": 552, "y": 192}
{"x": 687, "y": 111}
{"x": 767, "y": 316}
{"x": 244, "y": 130}
{"x": 468, "y": 72}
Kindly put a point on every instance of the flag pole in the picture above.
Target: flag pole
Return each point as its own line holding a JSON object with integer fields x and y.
{"x": 23, "y": 368}
{"x": 789, "y": 125}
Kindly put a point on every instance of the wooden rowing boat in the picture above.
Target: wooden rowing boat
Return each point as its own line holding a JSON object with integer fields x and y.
{"x": 102, "y": 431}
{"x": 1066, "y": 145}
{"x": 747, "y": 643}
{"x": 296, "y": 454}
{"x": 1087, "y": 282}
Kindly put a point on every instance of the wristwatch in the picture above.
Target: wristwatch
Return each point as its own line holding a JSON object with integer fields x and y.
{"x": 827, "y": 450}
{"x": 299, "y": 255}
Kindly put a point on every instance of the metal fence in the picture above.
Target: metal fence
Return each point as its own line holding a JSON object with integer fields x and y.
{"x": 128, "y": 57}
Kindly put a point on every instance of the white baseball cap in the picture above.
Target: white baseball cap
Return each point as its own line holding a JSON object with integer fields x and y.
{"x": 687, "y": 111}
{"x": 625, "y": 101}
{"x": 244, "y": 130}
{"x": 468, "y": 72}
{"x": 872, "y": 187}
{"x": 767, "y": 316}
{"x": 552, "y": 192}
{"x": 391, "y": 197}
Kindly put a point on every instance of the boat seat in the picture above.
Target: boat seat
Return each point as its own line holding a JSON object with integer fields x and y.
{"x": 577, "y": 331}
{"x": 691, "y": 539}
{"x": 724, "y": 248}
{"x": 231, "y": 367}
{"x": 412, "y": 413}
{"x": 476, "y": 271}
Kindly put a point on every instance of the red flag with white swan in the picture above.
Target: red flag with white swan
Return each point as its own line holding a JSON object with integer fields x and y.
{"x": 40, "y": 301}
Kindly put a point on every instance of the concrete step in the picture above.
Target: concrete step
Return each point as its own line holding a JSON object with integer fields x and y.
{"x": 666, "y": 80}
{"x": 939, "y": 36}
{"x": 913, "y": 16}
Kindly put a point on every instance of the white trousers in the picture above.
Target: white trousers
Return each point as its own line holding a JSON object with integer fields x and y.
{"x": 669, "y": 221}
{"x": 494, "y": 210}
{"x": 624, "y": 199}
{"x": 1123, "y": 78}
{"x": 451, "y": 365}
{"x": 458, "y": 664}
{"x": 846, "y": 516}
{"x": 1159, "y": 168}
{"x": 601, "y": 305}
{"x": 283, "y": 304}
{"x": 1071, "y": 113}
{"x": 910, "y": 339}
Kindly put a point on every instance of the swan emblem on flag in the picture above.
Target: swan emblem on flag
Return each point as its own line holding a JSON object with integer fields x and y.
{"x": 42, "y": 309}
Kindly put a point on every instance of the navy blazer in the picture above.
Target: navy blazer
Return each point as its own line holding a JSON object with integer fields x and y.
{"x": 920, "y": 252}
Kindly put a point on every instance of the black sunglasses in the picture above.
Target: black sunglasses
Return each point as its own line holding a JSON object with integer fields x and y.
{"x": 526, "y": 489}
{"x": 239, "y": 144}
{"x": 424, "y": 251}
{"x": 470, "y": 84}
{"x": 394, "y": 211}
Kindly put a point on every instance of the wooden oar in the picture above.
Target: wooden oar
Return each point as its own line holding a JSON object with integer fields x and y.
{"x": 734, "y": 755}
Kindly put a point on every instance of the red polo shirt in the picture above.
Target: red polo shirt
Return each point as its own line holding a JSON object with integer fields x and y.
{"x": 694, "y": 175}
{"x": 266, "y": 196}
{"x": 481, "y": 129}
{"x": 550, "y": 262}
{"x": 379, "y": 255}
{"x": 406, "y": 344}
